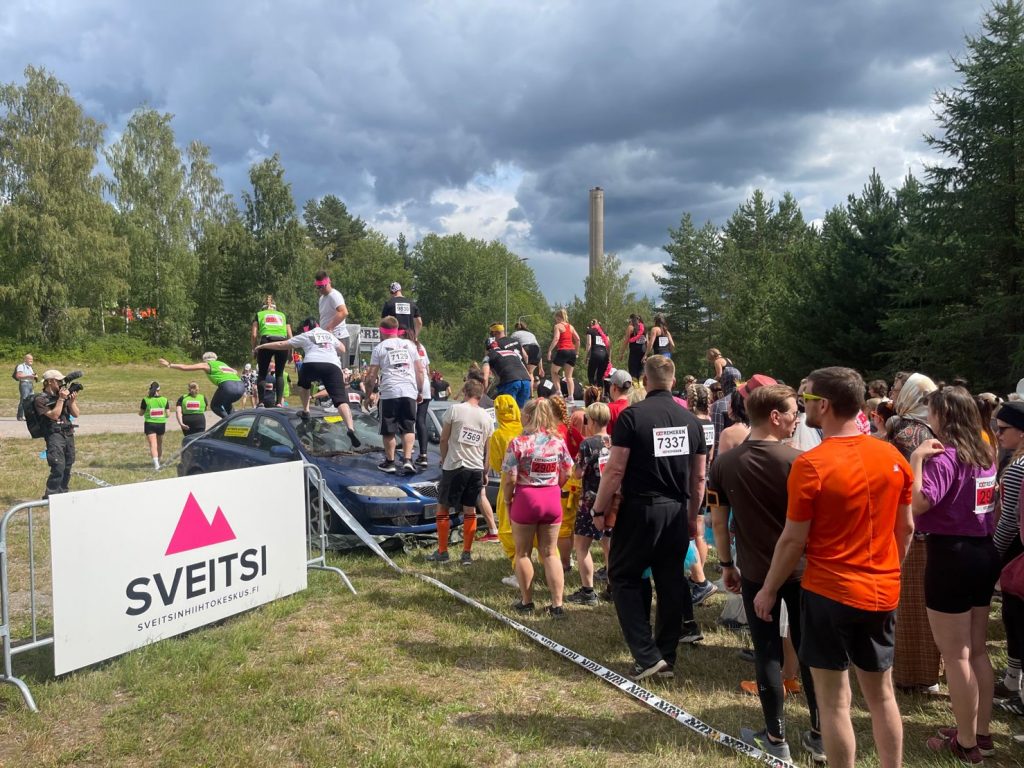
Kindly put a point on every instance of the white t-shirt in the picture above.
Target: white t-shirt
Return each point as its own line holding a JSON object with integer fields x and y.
{"x": 328, "y": 306}
{"x": 396, "y": 359}
{"x": 471, "y": 431}
{"x": 25, "y": 369}
{"x": 425, "y": 359}
{"x": 318, "y": 346}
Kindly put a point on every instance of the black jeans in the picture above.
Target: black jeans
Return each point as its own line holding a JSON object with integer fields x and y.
{"x": 650, "y": 533}
{"x": 263, "y": 358}
{"x": 60, "y": 455}
{"x": 768, "y": 655}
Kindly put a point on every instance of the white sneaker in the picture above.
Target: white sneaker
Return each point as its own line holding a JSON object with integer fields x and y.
{"x": 511, "y": 581}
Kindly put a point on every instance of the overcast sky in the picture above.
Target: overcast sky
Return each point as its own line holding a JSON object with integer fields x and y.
{"x": 495, "y": 118}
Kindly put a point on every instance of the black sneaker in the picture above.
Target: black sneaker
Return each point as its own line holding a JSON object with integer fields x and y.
{"x": 583, "y": 597}
{"x": 387, "y": 466}
{"x": 353, "y": 439}
{"x": 421, "y": 461}
{"x": 408, "y": 468}
{"x": 466, "y": 558}
{"x": 668, "y": 673}
{"x": 691, "y": 633}
{"x": 638, "y": 673}
{"x": 438, "y": 557}
{"x": 521, "y": 607}
{"x": 1003, "y": 691}
{"x": 556, "y": 612}
{"x": 601, "y": 574}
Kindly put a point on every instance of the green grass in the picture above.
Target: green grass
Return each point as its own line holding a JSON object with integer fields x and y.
{"x": 399, "y": 675}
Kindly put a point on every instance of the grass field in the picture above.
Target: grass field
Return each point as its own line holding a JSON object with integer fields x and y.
{"x": 399, "y": 675}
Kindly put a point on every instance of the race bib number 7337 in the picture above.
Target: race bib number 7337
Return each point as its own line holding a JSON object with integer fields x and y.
{"x": 671, "y": 441}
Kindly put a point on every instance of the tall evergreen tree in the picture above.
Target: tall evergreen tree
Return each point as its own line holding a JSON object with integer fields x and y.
{"x": 331, "y": 227}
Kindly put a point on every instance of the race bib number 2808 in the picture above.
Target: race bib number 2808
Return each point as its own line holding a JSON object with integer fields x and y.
{"x": 671, "y": 441}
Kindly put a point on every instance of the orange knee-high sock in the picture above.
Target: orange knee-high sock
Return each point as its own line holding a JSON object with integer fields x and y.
{"x": 468, "y": 530}
{"x": 444, "y": 526}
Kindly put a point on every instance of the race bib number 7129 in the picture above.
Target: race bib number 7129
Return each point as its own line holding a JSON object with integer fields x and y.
{"x": 671, "y": 441}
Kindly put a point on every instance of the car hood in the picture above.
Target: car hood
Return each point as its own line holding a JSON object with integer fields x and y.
{"x": 361, "y": 469}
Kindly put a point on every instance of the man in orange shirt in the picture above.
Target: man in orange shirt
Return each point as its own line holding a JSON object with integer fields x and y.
{"x": 849, "y": 513}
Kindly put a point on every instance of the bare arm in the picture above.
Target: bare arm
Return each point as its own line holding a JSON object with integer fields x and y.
{"x": 554, "y": 341}
{"x": 575, "y": 337}
{"x": 446, "y": 434}
{"x": 723, "y": 543}
{"x": 205, "y": 367}
{"x": 485, "y": 369}
{"x": 698, "y": 471}
{"x": 904, "y": 531}
{"x": 254, "y": 336}
{"x": 283, "y": 344}
{"x": 370, "y": 379}
{"x": 788, "y": 551}
{"x": 177, "y": 415}
{"x": 919, "y": 502}
{"x": 340, "y": 313}
{"x": 611, "y": 480}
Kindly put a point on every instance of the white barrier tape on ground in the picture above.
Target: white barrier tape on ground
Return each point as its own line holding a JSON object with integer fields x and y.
{"x": 92, "y": 478}
{"x": 625, "y": 685}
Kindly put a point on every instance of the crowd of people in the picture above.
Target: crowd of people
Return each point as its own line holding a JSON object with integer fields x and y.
{"x": 854, "y": 525}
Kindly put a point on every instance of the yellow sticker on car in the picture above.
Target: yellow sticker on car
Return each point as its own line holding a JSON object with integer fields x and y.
{"x": 236, "y": 431}
{"x": 332, "y": 419}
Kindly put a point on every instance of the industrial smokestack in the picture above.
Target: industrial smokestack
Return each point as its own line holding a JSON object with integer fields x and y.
{"x": 596, "y": 229}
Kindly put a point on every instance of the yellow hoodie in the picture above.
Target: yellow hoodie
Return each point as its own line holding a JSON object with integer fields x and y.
{"x": 510, "y": 425}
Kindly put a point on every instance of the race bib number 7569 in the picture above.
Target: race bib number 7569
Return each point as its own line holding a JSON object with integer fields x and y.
{"x": 671, "y": 441}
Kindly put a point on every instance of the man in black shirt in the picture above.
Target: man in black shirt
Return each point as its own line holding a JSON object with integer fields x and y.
{"x": 658, "y": 459}
{"x": 402, "y": 309}
{"x": 507, "y": 358}
{"x": 55, "y": 406}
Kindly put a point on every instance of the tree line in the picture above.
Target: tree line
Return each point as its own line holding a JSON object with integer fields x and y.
{"x": 923, "y": 276}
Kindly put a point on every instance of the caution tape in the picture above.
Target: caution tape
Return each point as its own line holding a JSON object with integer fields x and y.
{"x": 92, "y": 478}
{"x": 625, "y": 685}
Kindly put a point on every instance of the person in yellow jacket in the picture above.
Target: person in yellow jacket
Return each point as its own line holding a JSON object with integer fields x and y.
{"x": 510, "y": 425}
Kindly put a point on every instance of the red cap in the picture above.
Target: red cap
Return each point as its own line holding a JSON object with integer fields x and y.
{"x": 754, "y": 382}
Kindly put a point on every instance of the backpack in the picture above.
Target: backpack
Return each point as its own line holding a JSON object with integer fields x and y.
{"x": 15, "y": 374}
{"x": 35, "y": 423}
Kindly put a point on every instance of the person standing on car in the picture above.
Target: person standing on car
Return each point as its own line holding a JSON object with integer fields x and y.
{"x": 191, "y": 411}
{"x": 403, "y": 309}
{"x": 270, "y": 324}
{"x": 57, "y": 406}
{"x": 397, "y": 363}
{"x": 506, "y": 358}
{"x": 26, "y": 378}
{"x": 333, "y": 309}
{"x": 225, "y": 378}
{"x": 530, "y": 345}
{"x": 465, "y": 437}
{"x": 153, "y": 409}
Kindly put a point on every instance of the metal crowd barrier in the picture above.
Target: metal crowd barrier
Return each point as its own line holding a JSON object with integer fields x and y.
{"x": 316, "y": 558}
{"x": 34, "y": 641}
{"x": 316, "y": 533}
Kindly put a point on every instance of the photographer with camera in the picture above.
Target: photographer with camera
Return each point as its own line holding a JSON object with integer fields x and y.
{"x": 55, "y": 406}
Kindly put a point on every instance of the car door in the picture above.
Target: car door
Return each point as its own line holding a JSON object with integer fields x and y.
{"x": 234, "y": 445}
{"x": 270, "y": 433}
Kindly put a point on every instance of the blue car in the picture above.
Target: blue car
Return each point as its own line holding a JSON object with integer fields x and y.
{"x": 385, "y": 504}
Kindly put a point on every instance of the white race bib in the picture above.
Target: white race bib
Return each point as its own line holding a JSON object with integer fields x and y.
{"x": 662, "y": 341}
{"x": 671, "y": 441}
{"x": 984, "y": 495}
{"x": 156, "y": 413}
{"x": 402, "y": 308}
{"x": 598, "y": 341}
{"x": 398, "y": 357}
{"x": 709, "y": 434}
{"x": 324, "y": 339}
{"x": 275, "y": 321}
{"x": 192, "y": 405}
{"x": 470, "y": 436}
{"x": 354, "y": 397}
{"x": 602, "y": 460}
{"x": 544, "y": 471}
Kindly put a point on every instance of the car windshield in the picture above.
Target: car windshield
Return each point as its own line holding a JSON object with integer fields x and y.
{"x": 326, "y": 434}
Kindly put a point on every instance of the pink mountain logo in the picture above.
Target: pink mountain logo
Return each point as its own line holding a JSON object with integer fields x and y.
{"x": 194, "y": 531}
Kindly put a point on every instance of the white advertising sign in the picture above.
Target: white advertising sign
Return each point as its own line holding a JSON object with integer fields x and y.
{"x": 135, "y": 564}
{"x": 369, "y": 335}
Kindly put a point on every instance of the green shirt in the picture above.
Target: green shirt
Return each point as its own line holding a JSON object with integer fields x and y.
{"x": 190, "y": 404}
{"x": 156, "y": 410}
{"x": 221, "y": 372}
{"x": 272, "y": 323}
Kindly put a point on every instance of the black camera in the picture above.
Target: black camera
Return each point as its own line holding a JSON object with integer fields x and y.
{"x": 72, "y": 385}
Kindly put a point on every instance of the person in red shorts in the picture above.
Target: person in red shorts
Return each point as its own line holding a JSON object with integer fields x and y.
{"x": 849, "y": 513}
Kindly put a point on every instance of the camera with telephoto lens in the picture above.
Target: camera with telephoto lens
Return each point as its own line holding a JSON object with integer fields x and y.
{"x": 72, "y": 385}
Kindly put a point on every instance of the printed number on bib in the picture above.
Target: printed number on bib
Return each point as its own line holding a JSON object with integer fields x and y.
{"x": 402, "y": 308}
{"x": 543, "y": 471}
{"x": 598, "y": 341}
{"x": 324, "y": 339}
{"x": 671, "y": 441}
{"x": 985, "y": 495}
{"x": 602, "y": 460}
{"x": 470, "y": 436}
{"x": 398, "y": 356}
{"x": 709, "y": 434}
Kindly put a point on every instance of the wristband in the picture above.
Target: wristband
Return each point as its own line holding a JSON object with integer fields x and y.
{"x": 596, "y": 514}
{"x": 726, "y": 564}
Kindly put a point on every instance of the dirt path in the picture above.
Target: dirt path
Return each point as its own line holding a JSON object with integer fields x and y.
{"x": 95, "y": 424}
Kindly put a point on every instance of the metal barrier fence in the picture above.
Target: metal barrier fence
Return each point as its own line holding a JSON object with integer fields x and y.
{"x": 34, "y": 641}
{"x": 316, "y": 559}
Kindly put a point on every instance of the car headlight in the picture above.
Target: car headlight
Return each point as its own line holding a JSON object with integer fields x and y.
{"x": 380, "y": 491}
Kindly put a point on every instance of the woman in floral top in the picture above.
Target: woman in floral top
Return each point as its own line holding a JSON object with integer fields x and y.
{"x": 536, "y": 465}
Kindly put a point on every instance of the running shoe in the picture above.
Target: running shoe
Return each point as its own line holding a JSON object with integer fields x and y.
{"x": 985, "y": 744}
{"x": 949, "y": 744}
{"x": 747, "y": 655}
{"x": 466, "y": 558}
{"x": 438, "y": 557}
{"x": 702, "y": 592}
{"x": 511, "y": 581}
{"x": 691, "y": 633}
{"x": 779, "y": 749}
{"x": 489, "y": 538}
{"x": 814, "y": 745}
{"x": 356, "y": 442}
{"x": 638, "y": 672}
{"x": 521, "y": 607}
{"x": 1013, "y": 705}
{"x": 1003, "y": 691}
{"x": 668, "y": 673}
{"x": 556, "y": 612}
{"x": 601, "y": 574}
{"x": 421, "y": 461}
{"x": 583, "y": 597}
{"x": 387, "y": 466}
{"x": 408, "y": 468}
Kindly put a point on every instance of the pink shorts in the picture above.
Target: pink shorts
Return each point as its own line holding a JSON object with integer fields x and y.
{"x": 537, "y": 505}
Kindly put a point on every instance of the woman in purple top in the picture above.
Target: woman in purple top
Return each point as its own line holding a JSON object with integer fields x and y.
{"x": 954, "y": 503}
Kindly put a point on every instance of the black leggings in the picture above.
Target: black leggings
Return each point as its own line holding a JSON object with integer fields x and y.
{"x": 597, "y": 364}
{"x": 421, "y": 425}
{"x": 768, "y": 655}
{"x": 227, "y": 393}
{"x": 263, "y": 358}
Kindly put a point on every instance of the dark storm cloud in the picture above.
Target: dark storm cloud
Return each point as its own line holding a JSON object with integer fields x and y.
{"x": 670, "y": 107}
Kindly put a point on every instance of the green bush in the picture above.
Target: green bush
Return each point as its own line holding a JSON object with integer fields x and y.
{"x": 113, "y": 349}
